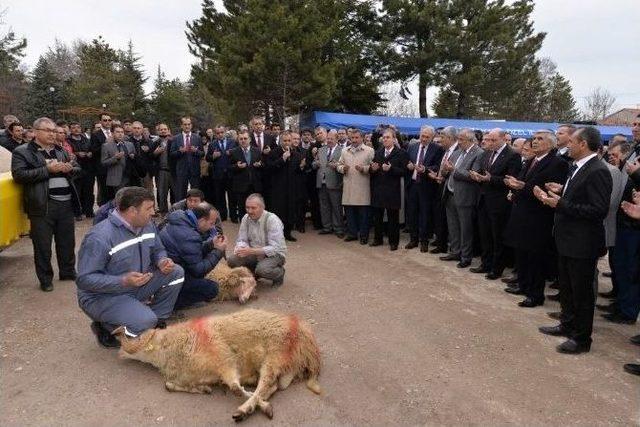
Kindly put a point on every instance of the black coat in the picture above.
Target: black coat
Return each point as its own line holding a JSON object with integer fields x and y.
{"x": 29, "y": 168}
{"x": 146, "y": 162}
{"x": 386, "y": 187}
{"x": 494, "y": 192}
{"x": 431, "y": 161}
{"x": 530, "y": 223}
{"x": 284, "y": 179}
{"x": 301, "y": 181}
{"x": 578, "y": 223}
{"x": 97, "y": 141}
{"x": 243, "y": 178}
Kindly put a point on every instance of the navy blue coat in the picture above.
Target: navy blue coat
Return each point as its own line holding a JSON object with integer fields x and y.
{"x": 221, "y": 166}
{"x": 186, "y": 246}
{"x": 187, "y": 164}
{"x": 431, "y": 161}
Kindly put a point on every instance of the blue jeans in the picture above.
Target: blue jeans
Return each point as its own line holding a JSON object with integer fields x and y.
{"x": 625, "y": 263}
{"x": 196, "y": 290}
{"x": 357, "y": 221}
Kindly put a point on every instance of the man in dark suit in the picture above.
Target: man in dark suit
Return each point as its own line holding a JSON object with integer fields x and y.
{"x": 424, "y": 157}
{"x": 84, "y": 156}
{"x": 529, "y": 228}
{"x": 498, "y": 161}
{"x": 98, "y": 138}
{"x": 264, "y": 142}
{"x": 219, "y": 158}
{"x": 581, "y": 204}
{"x": 563, "y": 134}
{"x": 387, "y": 169}
{"x": 186, "y": 149}
{"x": 246, "y": 170}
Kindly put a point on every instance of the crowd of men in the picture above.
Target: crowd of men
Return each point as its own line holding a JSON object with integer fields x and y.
{"x": 548, "y": 207}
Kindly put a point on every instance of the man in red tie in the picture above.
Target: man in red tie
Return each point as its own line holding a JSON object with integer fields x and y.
{"x": 186, "y": 151}
{"x": 265, "y": 143}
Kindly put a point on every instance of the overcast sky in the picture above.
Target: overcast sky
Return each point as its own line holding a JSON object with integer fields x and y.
{"x": 592, "y": 41}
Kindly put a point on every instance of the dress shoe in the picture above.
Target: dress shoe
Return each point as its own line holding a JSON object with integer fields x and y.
{"x": 555, "y": 297}
{"x": 554, "y": 315}
{"x": 632, "y": 368}
{"x": 376, "y": 243}
{"x": 463, "y": 264}
{"x": 530, "y": 303}
{"x": 606, "y": 274}
{"x": 480, "y": 269}
{"x": 411, "y": 245}
{"x": 46, "y": 287}
{"x": 68, "y": 276}
{"x": 492, "y": 275}
{"x": 514, "y": 291}
{"x": 290, "y": 238}
{"x": 438, "y": 251}
{"x": 340, "y": 235}
{"x": 510, "y": 280}
{"x": 350, "y": 238}
{"x": 611, "y": 294}
{"x": 364, "y": 240}
{"x": 635, "y": 339}
{"x": 556, "y": 331}
{"x": 608, "y": 308}
{"x": 618, "y": 318}
{"x": 424, "y": 247}
{"x": 325, "y": 232}
{"x": 393, "y": 247}
{"x": 572, "y": 347}
{"x": 105, "y": 339}
{"x": 450, "y": 257}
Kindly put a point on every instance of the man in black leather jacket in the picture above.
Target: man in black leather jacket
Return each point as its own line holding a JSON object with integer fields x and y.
{"x": 50, "y": 198}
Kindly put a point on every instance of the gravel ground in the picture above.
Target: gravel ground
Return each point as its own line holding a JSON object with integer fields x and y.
{"x": 405, "y": 339}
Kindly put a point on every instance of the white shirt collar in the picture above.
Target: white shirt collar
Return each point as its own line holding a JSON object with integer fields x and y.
{"x": 541, "y": 157}
{"x": 500, "y": 150}
{"x": 452, "y": 148}
{"x": 584, "y": 160}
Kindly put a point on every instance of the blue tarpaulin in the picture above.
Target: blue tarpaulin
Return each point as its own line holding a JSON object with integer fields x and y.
{"x": 411, "y": 126}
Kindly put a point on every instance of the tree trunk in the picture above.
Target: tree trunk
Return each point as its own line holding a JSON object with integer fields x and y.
{"x": 461, "y": 107}
{"x": 422, "y": 95}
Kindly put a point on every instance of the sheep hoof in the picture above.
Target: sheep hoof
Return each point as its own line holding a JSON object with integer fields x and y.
{"x": 239, "y": 416}
{"x": 267, "y": 409}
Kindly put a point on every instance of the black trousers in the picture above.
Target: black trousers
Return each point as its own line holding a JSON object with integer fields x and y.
{"x": 577, "y": 296}
{"x": 491, "y": 224}
{"x": 57, "y": 224}
{"x": 532, "y": 272}
{"x": 102, "y": 189}
{"x": 393, "y": 225}
{"x": 240, "y": 198}
{"x": 440, "y": 222}
{"x": 419, "y": 213}
{"x": 84, "y": 186}
{"x": 182, "y": 185}
{"x": 314, "y": 202}
{"x": 222, "y": 189}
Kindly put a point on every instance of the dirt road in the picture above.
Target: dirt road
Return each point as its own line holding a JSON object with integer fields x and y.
{"x": 405, "y": 338}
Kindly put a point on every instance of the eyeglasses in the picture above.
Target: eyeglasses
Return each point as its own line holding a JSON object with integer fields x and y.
{"x": 46, "y": 130}
{"x": 107, "y": 120}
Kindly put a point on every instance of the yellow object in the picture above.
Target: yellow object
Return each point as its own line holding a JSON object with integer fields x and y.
{"x": 13, "y": 221}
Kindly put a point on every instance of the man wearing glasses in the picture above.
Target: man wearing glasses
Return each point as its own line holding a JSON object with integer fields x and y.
{"x": 98, "y": 138}
{"x": 50, "y": 198}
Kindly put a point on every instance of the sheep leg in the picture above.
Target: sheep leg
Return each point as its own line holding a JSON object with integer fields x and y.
{"x": 201, "y": 389}
{"x": 285, "y": 381}
{"x": 266, "y": 387}
{"x": 232, "y": 380}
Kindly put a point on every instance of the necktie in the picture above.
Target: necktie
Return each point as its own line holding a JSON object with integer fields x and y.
{"x": 572, "y": 170}
{"x": 187, "y": 140}
{"x": 386, "y": 153}
{"x": 224, "y": 145}
{"x": 329, "y": 153}
{"x": 533, "y": 164}
{"x": 420, "y": 160}
{"x": 493, "y": 158}
{"x": 260, "y": 141}
{"x": 247, "y": 155}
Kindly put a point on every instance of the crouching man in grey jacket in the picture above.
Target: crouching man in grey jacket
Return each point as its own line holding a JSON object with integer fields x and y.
{"x": 124, "y": 275}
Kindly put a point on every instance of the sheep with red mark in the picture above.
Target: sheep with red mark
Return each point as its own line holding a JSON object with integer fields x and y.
{"x": 250, "y": 347}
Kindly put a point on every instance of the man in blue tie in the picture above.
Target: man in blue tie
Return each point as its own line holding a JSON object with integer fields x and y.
{"x": 219, "y": 158}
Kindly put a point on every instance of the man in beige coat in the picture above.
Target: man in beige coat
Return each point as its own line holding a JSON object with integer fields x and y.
{"x": 356, "y": 191}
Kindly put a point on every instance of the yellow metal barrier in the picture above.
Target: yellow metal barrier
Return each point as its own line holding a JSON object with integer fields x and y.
{"x": 13, "y": 221}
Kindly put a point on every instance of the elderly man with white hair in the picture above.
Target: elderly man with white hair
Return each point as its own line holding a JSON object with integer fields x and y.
{"x": 260, "y": 245}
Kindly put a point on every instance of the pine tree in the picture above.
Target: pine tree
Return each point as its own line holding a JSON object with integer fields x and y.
{"x": 130, "y": 81}
{"x": 40, "y": 100}
{"x": 169, "y": 100}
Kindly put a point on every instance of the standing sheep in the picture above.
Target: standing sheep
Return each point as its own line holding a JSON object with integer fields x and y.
{"x": 245, "y": 348}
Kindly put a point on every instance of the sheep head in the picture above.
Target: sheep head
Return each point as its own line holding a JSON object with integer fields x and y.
{"x": 143, "y": 347}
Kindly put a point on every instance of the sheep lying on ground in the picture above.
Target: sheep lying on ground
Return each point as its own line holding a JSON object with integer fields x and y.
{"x": 250, "y": 347}
{"x": 233, "y": 283}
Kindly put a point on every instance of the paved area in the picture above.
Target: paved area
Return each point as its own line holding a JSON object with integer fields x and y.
{"x": 406, "y": 339}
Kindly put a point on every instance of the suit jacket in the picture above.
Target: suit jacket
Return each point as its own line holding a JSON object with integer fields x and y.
{"x": 431, "y": 161}
{"x": 268, "y": 140}
{"x": 494, "y": 192}
{"x": 97, "y": 140}
{"x": 332, "y": 178}
{"x": 244, "y": 178}
{"x": 530, "y": 222}
{"x": 386, "y": 187}
{"x": 115, "y": 168}
{"x": 221, "y": 166}
{"x": 578, "y": 221}
{"x": 187, "y": 164}
{"x": 619, "y": 181}
{"x": 466, "y": 191}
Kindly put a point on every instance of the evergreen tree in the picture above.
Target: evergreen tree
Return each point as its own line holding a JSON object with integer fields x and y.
{"x": 13, "y": 82}
{"x": 169, "y": 101}
{"x": 40, "y": 100}
{"x": 130, "y": 81}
